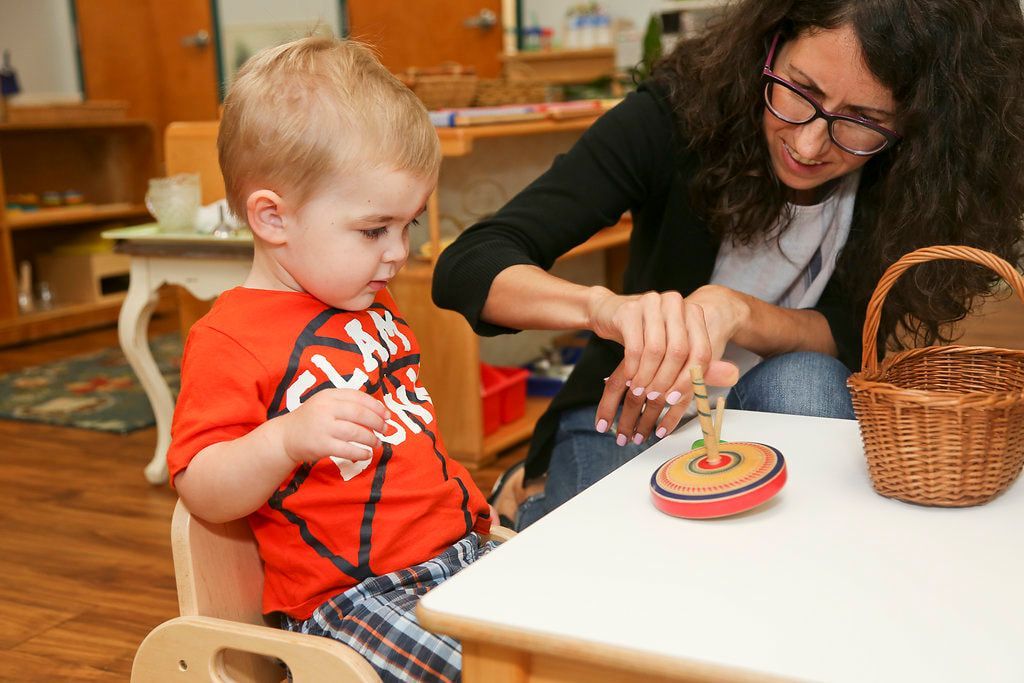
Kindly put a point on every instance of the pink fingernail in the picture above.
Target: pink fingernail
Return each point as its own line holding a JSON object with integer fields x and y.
{"x": 661, "y": 432}
{"x": 638, "y": 439}
{"x": 621, "y": 440}
{"x": 602, "y": 426}
{"x": 639, "y": 391}
{"x": 653, "y": 395}
{"x": 673, "y": 398}
{"x": 627, "y": 382}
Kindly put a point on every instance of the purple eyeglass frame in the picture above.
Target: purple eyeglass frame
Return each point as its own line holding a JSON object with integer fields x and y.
{"x": 891, "y": 137}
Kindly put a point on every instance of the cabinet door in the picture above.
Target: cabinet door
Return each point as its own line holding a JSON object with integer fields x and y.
{"x": 430, "y": 32}
{"x": 157, "y": 55}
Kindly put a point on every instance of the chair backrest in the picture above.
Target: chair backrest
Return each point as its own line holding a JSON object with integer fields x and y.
{"x": 217, "y": 568}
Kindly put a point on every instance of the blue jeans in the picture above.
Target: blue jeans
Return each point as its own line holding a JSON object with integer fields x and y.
{"x": 801, "y": 383}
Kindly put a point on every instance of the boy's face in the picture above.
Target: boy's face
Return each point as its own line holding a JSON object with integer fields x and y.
{"x": 347, "y": 241}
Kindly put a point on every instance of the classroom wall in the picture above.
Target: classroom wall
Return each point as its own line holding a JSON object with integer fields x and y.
{"x": 43, "y": 48}
{"x": 552, "y": 12}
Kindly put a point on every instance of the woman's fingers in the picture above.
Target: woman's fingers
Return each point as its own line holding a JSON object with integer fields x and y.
{"x": 654, "y": 342}
{"x": 676, "y": 350}
{"x": 630, "y": 322}
{"x": 631, "y": 409}
{"x": 670, "y": 420}
{"x": 663, "y": 336}
{"x": 648, "y": 419}
{"x": 698, "y": 352}
{"x": 614, "y": 390}
{"x": 721, "y": 373}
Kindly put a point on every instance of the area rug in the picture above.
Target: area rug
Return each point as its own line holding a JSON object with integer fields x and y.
{"x": 92, "y": 391}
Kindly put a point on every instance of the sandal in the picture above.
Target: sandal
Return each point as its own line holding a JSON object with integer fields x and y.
{"x": 499, "y": 486}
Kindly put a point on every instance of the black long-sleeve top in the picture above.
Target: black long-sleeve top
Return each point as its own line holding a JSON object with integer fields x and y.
{"x": 631, "y": 159}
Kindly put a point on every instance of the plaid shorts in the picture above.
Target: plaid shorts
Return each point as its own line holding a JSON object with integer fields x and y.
{"x": 377, "y": 618}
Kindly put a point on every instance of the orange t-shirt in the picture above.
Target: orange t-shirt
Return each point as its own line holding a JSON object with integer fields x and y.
{"x": 256, "y": 355}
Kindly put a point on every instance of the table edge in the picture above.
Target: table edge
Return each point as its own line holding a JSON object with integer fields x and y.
{"x": 579, "y": 649}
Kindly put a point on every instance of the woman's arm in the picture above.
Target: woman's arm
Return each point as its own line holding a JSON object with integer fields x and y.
{"x": 566, "y": 305}
{"x": 623, "y": 159}
{"x": 770, "y": 330}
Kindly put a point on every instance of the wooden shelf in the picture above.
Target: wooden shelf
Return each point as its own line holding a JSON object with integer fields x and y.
{"x": 514, "y": 433}
{"x": 458, "y": 142}
{"x": 69, "y": 215}
{"x": 59, "y": 320}
{"x": 613, "y": 236}
{"x": 109, "y": 161}
{"x": 72, "y": 125}
{"x": 562, "y": 67}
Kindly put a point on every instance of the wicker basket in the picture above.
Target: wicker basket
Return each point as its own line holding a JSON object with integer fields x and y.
{"x": 494, "y": 91}
{"x": 444, "y": 87}
{"x": 942, "y": 425}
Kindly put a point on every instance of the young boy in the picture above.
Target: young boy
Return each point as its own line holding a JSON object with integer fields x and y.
{"x": 301, "y": 406}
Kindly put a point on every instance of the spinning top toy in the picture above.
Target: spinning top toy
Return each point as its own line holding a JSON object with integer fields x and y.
{"x": 716, "y": 479}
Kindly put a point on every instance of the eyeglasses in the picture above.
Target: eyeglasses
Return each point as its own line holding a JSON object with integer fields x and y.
{"x": 792, "y": 104}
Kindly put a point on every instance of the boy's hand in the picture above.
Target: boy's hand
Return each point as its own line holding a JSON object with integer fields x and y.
{"x": 331, "y": 424}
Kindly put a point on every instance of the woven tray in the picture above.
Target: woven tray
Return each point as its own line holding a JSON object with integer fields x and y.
{"x": 941, "y": 425}
{"x": 495, "y": 91}
{"x": 443, "y": 87}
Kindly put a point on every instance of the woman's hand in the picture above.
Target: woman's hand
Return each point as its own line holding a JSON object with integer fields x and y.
{"x": 663, "y": 335}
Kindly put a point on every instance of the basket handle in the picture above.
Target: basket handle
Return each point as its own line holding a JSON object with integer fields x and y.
{"x": 869, "y": 358}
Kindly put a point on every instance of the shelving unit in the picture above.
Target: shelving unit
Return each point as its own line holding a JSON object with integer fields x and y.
{"x": 109, "y": 163}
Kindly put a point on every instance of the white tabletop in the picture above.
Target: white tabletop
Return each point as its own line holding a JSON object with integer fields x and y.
{"x": 828, "y": 581}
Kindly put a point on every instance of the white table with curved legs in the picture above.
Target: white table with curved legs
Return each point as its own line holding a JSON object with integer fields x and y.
{"x": 203, "y": 265}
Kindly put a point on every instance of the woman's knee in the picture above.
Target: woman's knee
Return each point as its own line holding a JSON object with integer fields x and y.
{"x": 582, "y": 456}
{"x": 800, "y": 383}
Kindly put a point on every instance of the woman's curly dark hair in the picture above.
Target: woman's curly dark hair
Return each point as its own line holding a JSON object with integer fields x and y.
{"x": 956, "y": 71}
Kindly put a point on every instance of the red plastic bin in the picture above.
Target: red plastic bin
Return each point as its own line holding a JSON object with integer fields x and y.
{"x": 503, "y": 392}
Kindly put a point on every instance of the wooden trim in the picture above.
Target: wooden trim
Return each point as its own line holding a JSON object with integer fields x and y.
{"x": 68, "y": 215}
{"x": 458, "y": 142}
{"x": 73, "y": 125}
{"x": 477, "y": 633}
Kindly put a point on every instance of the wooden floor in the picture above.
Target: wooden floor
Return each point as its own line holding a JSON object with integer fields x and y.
{"x": 85, "y": 556}
{"x": 85, "y": 561}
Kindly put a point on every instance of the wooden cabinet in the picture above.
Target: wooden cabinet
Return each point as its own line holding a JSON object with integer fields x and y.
{"x": 109, "y": 163}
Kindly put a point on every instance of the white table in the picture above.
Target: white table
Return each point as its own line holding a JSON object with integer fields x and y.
{"x": 202, "y": 264}
{"x": 828, "y": 581}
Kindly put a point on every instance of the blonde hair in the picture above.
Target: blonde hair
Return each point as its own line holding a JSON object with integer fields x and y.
{"x": 300, "y": 113}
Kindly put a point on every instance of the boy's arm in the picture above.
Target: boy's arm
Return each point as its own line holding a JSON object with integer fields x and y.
{"x": 231, "y": 479}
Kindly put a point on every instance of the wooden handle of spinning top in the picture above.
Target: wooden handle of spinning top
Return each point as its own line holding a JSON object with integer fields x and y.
{"x": 700, "y": 394}
{"x": 719, "y": 416}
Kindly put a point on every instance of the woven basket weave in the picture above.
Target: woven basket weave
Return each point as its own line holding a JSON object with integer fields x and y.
{"x": 496, "y": 91}
{"x": 444, "y": 87}
{"x": 941, "y": 425}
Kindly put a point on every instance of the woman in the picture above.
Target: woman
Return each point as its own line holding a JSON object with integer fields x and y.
{"x": 774, "y": 167}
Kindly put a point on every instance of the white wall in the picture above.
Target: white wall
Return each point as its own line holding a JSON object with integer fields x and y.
{"x": 43, "y": 48}
{"x": 552, "y": 12}
{"x": 234, "y": 12}
{"x": 246, "y": 26}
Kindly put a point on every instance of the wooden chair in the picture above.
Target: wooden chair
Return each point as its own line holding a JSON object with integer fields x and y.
{"x": 221, "y": 633}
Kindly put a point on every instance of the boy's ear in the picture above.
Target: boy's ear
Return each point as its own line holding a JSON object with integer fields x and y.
{"x": 265, "y": 211}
